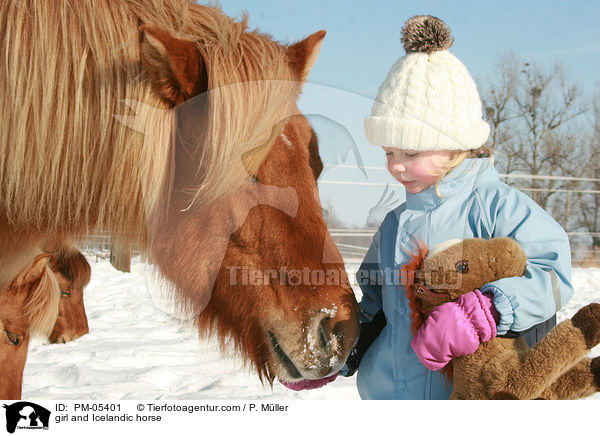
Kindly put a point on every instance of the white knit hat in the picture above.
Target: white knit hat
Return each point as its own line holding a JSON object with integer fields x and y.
{"x": 428, "y": 100}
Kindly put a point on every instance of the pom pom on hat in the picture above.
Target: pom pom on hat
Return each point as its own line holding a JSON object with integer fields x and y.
{"x": 428, "y": 100}
{"x": 426, "y": 34}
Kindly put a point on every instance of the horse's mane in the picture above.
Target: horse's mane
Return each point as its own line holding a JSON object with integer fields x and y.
{"x": 70, "y": 68}
{"x": 408, "y": 273}
{"x": 418, "y": 316}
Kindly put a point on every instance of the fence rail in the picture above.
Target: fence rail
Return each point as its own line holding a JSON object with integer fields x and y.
{"x": 511, "y": 175}
{"x": 354, "y": 243}
{"x": 580, "y": 240}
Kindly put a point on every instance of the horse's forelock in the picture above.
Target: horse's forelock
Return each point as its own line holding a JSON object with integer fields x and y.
{"x": 251, "y": 91}
{"x": 73, "y": 265}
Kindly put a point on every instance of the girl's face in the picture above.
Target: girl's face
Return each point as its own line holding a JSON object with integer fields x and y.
{"x": 416, "y": 170}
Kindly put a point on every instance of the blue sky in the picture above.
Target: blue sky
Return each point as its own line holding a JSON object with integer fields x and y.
{"x": 363, "y": 36}
{"x": 363, "y": 41}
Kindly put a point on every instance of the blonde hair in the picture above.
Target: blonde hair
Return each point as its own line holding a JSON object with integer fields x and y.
{"x": 70, "y": 68}
{"x": 458, "y": 158}
{"x": 42, "y": 307}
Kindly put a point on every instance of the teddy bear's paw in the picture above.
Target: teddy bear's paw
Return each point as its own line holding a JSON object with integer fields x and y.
{"x": 587, "y": 319}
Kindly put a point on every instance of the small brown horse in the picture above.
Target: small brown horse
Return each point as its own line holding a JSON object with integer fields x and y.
{"x": 28, "y": 306}
{"x": 73, "y": 273}
{"x": 216, "y": 176}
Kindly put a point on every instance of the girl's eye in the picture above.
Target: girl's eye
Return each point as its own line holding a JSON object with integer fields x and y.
{"x": 462, "y": 267}
{"x": 14, "y": 338}
{"x": 411, "y": 154}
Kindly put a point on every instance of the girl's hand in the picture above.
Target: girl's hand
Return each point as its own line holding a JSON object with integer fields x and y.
{"x": 369, "y": 331}
{"x": 455, "y": 329}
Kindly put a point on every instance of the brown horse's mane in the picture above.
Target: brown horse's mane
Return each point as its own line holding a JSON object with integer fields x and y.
{"x": 68, "y": 164}
{"x": 408, "y": 274}
{"x": 247, "y": 341}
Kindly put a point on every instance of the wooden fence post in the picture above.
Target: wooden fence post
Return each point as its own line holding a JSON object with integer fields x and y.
{"x": 120, "y": 256}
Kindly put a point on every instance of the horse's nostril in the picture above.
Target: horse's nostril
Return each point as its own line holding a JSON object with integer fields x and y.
{"x": 324, "y": 333}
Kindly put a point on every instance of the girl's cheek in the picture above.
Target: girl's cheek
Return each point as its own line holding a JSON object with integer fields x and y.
{"x": 424, "y": 173}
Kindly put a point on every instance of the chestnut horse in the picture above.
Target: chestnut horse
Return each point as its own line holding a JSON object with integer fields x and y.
{"x": 171, "y": 126}
{"x": 28, "y": 306}
{"x": 73, "y": 273}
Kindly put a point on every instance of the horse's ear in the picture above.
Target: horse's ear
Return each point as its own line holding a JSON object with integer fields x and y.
{"x": 175, "y": 65}
{"x": 304, "y": 54}
{"x": 36, "y": 270}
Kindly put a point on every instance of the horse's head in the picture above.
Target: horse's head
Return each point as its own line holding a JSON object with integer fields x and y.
{"x": 28, "y": 305}
{"x": 245, "y": 242}
{"x": 73, "y": 273}
{"x": 456, "y": 267}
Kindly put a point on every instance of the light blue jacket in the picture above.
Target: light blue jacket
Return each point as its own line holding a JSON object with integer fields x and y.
{"x": 473, "y": 203}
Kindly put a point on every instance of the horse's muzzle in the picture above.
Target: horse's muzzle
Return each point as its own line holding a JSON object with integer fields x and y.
{"x": 322, "y": 348}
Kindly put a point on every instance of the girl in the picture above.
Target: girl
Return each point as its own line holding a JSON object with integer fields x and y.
{"x": 428, "y": 120}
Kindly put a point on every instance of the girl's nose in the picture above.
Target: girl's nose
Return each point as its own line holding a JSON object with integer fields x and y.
{"x": 396, "y": 166}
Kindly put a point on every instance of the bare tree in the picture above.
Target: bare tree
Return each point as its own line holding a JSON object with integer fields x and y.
{"x": 498, "y": 101}
{"x": 589, "y": 201}
{"x": 534, "y": 114}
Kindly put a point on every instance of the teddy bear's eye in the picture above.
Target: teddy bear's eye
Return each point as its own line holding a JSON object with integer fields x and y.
{"x": 462, "y": 267}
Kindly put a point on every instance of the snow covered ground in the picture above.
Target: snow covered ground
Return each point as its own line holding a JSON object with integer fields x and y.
{"x": 136, "y": 351}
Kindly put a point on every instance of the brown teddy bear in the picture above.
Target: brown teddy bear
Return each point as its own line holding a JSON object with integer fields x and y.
{"x": 504, "y": 368}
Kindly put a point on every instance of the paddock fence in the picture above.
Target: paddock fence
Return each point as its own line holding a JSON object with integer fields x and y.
{"x": 353, "y": 243}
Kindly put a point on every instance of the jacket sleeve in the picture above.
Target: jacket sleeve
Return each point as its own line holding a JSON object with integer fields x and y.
{"x": 545, "y": 286}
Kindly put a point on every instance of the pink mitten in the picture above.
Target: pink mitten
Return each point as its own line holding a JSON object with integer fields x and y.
{"x": 455, "y": 329}
{"x": 309, "y": 384}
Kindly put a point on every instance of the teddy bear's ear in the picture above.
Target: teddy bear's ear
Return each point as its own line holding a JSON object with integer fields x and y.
{"x": 507, "y": 257}
{"x": 442, "y": 246}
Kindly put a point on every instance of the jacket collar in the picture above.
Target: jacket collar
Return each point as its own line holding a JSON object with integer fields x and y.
{"x": 467, "y": 175}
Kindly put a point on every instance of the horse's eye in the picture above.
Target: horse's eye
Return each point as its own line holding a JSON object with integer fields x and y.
{"x": 14, "y": 338}
{"x": 65, "y": 293}
{"x": 462, "y": 267}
